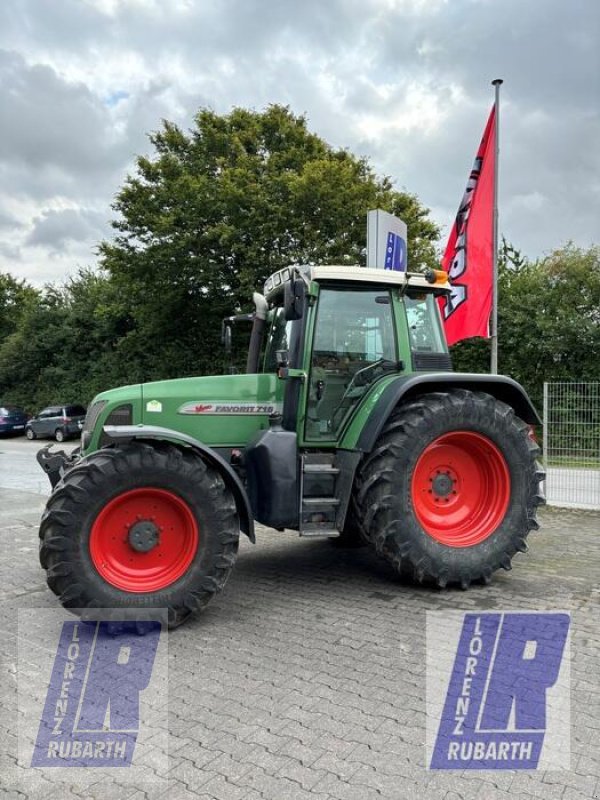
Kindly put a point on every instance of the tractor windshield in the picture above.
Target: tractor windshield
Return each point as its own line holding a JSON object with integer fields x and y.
{"x": 279, "y": 338}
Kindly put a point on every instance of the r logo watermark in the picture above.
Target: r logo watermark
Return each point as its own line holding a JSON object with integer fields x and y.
{"x": 94, "y": 693}
{"x": 498, "y": 690}
{"x": 91, "y": 716}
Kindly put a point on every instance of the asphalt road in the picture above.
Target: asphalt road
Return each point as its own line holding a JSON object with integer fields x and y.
{"x": 305, "y": 678}
{"x": 18, "y": 466}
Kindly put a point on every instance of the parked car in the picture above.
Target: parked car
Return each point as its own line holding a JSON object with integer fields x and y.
{"x": 12, "y": 419}
{"x": 56, "y": 422}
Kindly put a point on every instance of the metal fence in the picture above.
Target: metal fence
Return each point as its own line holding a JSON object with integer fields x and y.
{"x": 571, "y": 444}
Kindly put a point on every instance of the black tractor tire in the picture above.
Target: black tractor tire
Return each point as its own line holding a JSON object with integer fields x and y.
{"x": 30, "y": 434}
{"x": 401, "y": 510}
{"x": 108, "y": 479}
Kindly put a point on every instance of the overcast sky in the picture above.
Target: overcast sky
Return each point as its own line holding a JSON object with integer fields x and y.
{"x": 404, "y": 82}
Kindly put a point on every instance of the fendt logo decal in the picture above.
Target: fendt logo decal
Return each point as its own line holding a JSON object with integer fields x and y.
{"x": 225, "y": 408}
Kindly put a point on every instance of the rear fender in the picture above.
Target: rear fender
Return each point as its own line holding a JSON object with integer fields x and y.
{"x": 499, "y": 386}
{"x": 232, "y": 481}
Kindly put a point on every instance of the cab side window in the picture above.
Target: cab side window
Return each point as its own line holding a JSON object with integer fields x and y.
{"x": 424, "y": 324}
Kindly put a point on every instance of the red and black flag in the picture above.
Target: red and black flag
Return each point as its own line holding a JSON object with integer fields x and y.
{"x": 469, "y": 255}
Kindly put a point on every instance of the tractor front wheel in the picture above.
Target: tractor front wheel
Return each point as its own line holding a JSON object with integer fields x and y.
{"x": 450, "y": 491}
{"x": 144, "y": 525}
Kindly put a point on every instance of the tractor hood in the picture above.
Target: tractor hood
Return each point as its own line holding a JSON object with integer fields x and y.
{"x": 221, "y": 410}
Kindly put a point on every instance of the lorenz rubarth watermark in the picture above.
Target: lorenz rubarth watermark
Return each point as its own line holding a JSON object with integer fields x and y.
{"x": 498, "y": 690}
{"x": 93, "y": 693}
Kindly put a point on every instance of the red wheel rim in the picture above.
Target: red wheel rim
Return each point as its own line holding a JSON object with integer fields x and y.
{"x": 460, "y": 488}
{"x": 155, "y": 519}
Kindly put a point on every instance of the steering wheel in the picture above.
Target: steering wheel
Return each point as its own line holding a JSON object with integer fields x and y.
{"x": 356, "y": 381}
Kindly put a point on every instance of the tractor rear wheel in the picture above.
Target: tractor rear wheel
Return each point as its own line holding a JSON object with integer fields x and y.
{"x": 139, "y": 526}
{"x": 450, "y": 491}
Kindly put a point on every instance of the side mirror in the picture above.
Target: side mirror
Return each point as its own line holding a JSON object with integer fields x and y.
{"x": 293, "y": 298}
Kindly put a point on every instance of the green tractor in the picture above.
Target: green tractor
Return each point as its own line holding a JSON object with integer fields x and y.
{"x": 348, "y": 423}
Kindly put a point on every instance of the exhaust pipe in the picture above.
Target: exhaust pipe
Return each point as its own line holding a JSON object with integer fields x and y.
{"x": 258, "y": 329}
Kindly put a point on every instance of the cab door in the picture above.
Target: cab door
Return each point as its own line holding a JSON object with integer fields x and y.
{"x": 353, "y": 344}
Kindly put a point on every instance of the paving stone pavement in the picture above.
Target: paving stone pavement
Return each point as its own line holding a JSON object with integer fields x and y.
{"x": 305, "y": 679}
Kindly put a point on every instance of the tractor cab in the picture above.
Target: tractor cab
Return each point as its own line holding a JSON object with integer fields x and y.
{"x": 336, "y": 336}
{"x": 334, "y": 332}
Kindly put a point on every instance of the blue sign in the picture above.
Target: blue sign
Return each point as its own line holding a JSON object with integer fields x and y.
{"x": 494, "y": 715}
{"x": 386, "y": 241}
{"x": 395, "y": 253}
{"x": 91, "y": 715}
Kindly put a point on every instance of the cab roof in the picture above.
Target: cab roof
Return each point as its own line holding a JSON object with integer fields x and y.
{"x": 353, "y": 274}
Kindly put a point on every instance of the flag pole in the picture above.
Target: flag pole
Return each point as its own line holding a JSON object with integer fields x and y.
{"x": 494, "y": 326}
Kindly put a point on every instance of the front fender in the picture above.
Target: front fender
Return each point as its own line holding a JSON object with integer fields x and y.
{"x": 150, "y": 432}
{"x": 499, "y": 386}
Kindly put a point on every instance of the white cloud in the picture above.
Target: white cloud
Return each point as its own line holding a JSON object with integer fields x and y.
{"x": 406, "y": 82}
{"x": 416, "y": 109}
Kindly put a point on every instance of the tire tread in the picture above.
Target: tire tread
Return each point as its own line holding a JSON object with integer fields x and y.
{"x": 375, "y": 498}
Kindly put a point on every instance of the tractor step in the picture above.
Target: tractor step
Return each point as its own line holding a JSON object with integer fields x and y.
{"x": 318, "y": 532}
{"x": 315, "y": 502}
{"x": 318, "y": 501}
{"x": 323, "y": 469}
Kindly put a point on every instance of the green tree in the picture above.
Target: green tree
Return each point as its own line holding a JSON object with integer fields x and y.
{"x": 551, "y": 330}
{"x": 65, "y": 346}
{"x": 214, "y": 211}
{"x": 15, "y": 296}
{"x": 548, "y": 320}
{"x": 32, "y": 355}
